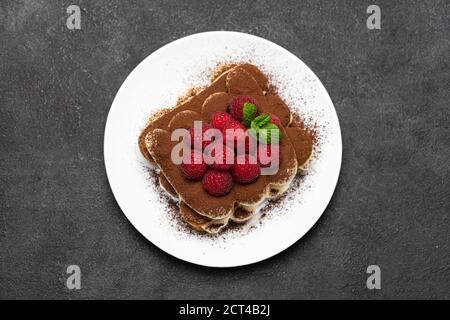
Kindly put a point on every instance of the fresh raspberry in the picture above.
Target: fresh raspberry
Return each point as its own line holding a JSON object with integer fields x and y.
{"x": 217, "y": 183}
{"x": 237, "y": 105}
{"x": 218, "y": 119}
{"x": 198, "y": 138}
{"x": 222, "y": 153}
{"x": 272, "y": 151}
{"x": 194, "y": 167}
{"x": 275, "y": 120}
{"x": 237, "y": 131}
{"x": 249, "y": 140}
{"x": 246, "y": 169}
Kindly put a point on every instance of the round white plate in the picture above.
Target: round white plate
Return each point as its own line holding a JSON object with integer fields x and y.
{"x": 166, "y": 74}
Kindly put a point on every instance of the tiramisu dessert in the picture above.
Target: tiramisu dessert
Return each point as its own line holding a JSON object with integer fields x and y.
{"x": 225, "y": 149}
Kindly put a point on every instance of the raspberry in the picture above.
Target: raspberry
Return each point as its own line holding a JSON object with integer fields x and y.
{"x": 198, "y": 138}
{"x": 219, "y": 118}
{"x": 217, "y": 183}
{"x": 275, "y": 120}
{"x": 194, "y": 167}
{"x": 237, "y": 104}
{"x": 249, "y": 140}
{"x": 272, "y": 151}
{"x": 243, "y": 171}
{"x": 222, "y": 153}
{"x": 237, "y": 132}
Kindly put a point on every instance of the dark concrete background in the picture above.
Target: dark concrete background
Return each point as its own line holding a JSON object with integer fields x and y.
{"x": 391, "y": 206}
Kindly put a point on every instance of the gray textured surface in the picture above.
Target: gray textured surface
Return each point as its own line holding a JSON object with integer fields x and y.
{"x": 391, "y": 206}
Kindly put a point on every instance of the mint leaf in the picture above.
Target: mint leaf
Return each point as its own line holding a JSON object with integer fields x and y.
{"x": 248, "y": 113}
{"x": 254, "y": 126}
{"x": 269, "y": 133}
{"x": 262, "y": 120}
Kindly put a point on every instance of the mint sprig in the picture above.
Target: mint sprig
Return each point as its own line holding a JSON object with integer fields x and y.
{"x": 261, "y": 120}
{"x": 248, "y": 113}
{"x": 269, "y": 133}
{"x": 265, "y": 131}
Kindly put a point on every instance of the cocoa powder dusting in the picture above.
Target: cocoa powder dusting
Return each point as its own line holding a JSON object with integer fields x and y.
{"x": 188, "y": 94}
{"x": 220, "y": 69}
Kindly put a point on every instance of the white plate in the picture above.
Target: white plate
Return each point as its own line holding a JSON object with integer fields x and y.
{"x": 156, "y": 82}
